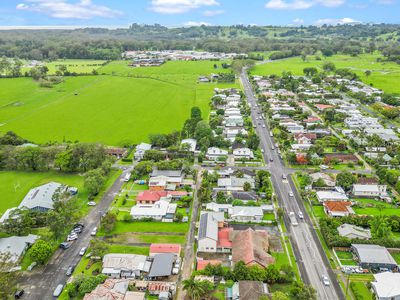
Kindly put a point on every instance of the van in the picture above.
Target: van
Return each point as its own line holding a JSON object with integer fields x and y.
{"x": 57, "y": 292}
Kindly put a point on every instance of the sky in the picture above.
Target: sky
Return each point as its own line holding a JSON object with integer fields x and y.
{"x": 176, "y": 13}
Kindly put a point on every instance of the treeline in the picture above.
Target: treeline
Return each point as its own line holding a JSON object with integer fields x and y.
{"x": 106, "y": 44}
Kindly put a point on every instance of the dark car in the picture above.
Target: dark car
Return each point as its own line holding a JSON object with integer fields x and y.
{"x": 70, "y": 270}
{"x": 79, "y": 225}
{"x": 65, "y": 245}
{"x": 18, "y": 294}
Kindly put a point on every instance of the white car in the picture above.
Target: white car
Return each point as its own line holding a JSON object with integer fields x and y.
{"x": 92, "y": 203}
{"x": 94, "y": 231}
{"x": 301, "y": 215}
{"x": 72, "y": 237}
{"x": 291, "y": 194}
{"x": 325, "y": 280}
{"x": 82, "y": 252}
{"x": 263, "y": 126}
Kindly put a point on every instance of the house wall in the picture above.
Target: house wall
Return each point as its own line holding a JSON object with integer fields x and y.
{"x": 207, "y": 245}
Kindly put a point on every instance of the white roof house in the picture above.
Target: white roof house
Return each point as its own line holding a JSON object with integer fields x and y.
{"x": 16, "y": 245}
{"x": 369, "y": 190}
{"x": 217, "y": 207}
{"x": 214, "y": 152}
{"x": 208, "y": 231}
{"x": 386, "y": 286}
{"x": 323, "y": 196}
{"x": 191, "y": 142}
{"x": 116, "y": 263}
{"x": 246, "y": 213}
{"x": 141, "y": 150}
{"x": 159, "y": 210}
{"x": 41, "y": 197}
{"x": 234, "y": 183}
{"x": 243, "y": 153}
{"x": 354, "y": 232}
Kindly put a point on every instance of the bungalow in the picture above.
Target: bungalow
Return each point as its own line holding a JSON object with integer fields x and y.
{"x": 118, "y": 265}
{"x": 341, "y": 157}
{"x": 386, "y": 286}
{"x": 190, "y": 144}
{"x": 117, "y": 152}
{"x": 246, "y": 213}
{"x": 235, "y": 183}
{"x": 243, "y": 153}
{"x": 374, "y": 257}
{"x": 141, "y": 150}
{"x": 165, "y": 248}
{"x": 150, "y": 197}
{"x": 114, "y": 289}
{"x": 42, "y": 198}
{"x": 338, "y": 208}
{"x": 162, "y": 266}
{"x": 369, "y": 190}
{"x": 337, "y": 195}
{"x": 214, "y": 153}
{"x": 305, "y": 138}
{"x": 16, "y": 246}
{"x": 218, "y": 207}
{"x": 251, "y": 247}
{"x": 354, "y": 232}
{"x": 160, "y": 211}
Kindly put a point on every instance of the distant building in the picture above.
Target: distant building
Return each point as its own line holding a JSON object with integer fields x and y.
{"x": 114, "y": 289}
{"x": 354, "y": 232}
{"x": 214, "y": 153}
{"x": 243, "y": 153}
{"x": 374, "y": 257}
{"x": 141, "y": 150}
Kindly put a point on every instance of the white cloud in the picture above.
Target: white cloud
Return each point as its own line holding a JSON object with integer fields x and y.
{"x": 385, "y": 2}
{"x": 179, "y": 6}
{"x": 321, "y": 22}
{"x": 298, "y": 21}
{"x": 64, "y": 9}
{"x": 301, "y": 4}
{"x": 212, "y": 13}
{"x": 194, "y": 23}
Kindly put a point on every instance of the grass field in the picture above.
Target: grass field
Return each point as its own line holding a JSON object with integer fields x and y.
{"x": 360, "y": 291}
{"x": 15, "y": 185}
{"x": 113, "y": 109}
{"x": 73, "y": 65}
{"x": 384, "y": 75}
{"x": 122, "y": 227}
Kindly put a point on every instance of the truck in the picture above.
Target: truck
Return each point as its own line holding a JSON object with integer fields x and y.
{"x": 293, "y": 220}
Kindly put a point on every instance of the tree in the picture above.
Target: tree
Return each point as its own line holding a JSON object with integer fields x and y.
{"x": 40, "y": 251}
{"x": 346, "y": 180}
{"x": 278, "y": 295}
{"x": 329, "y": 66}
{"x": 93, "y": 182}
{"x": 108, "y": 221}
{"x": 367, "y": 73}
{"x": 98, "y": 247}
{"x": 246, "y": 186}
{"x": 18, "y": 223}
{"x": 299, "y": 291}
{"x": 197, "y": 289}
{"x": 310, "y": 71}
{"x": 380, "y": 228}
{"x": 8, "y": 278}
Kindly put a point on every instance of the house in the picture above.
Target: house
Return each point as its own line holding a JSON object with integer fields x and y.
{"x": 191, "y": 144}
{"x": 322, "y": 107}
{"x": 251, "y": 247}
{"x": 16, "y": 246}
{"x": 247, "y": 290}
{"x": 386, "y": 286}
{"x": 369, "y": 190}
{"x": 141, "y": 150}
{"x": 117, "y": 152}
{"x": 327, "y": 180}
{"x": 354, "y": 232}
{"x": 42, "y": 198}
{"x": 165, "y": 179}
{"x": 115, "y": 289}
{"x": 338, "y": 208}
{"x": 235, "y": 183}
{"x": 234, "y": 121}
{"x": 342, "y": 158}
{"x": 160, "y": 211}
{"x": 162, "y": 266}
{"x": 151, "y": 197}
{"x": 201, "y": 264}
{"x": 214, "y": 153}
{"x": 337, "y": 195}
{"x": 374, "y": 257}
{"x": 367, "y": 180}
{"x": 243, "y": 153}
{"x": 218, "y": 207}
{"x": 118, "y": 265}
{"x": 165, "y": 248}
{"x": 208, "y": 231}
{"x": 243, "y": 195}
{"x": 246, "y": 213}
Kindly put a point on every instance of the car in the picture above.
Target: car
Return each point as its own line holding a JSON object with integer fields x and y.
{"x": 262, "y": 150}
{"x": 58, "y": 290}
{"x": 18, "y": 294}
{"x": 325, "y": 280}
{"x": 272, "y": 148}
{"x": 284, "y": 176}
{"x": 72, "y": 237}
{"x": 79, "y": 225}
{"x": 65, "y": 245}
{"x": 291, "y": 194}
{"x": 276, "y": 145}
{"x": 70, "y": 270}
{"x": 83, "y": 250}
{"x": 271, "y": 159}
{"x": 263, "y": 125}
{"x": 91, "y": 203}
{"x": 94, "y": 231}
{"x": 76, "y": 230}
{"x": 301, "y": 216}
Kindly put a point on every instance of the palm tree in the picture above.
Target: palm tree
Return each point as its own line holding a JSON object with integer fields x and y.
{"x": 194, "y": 288}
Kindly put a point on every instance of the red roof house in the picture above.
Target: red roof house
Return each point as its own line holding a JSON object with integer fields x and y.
{"x": 224, "y": 237}
{"x": 150, "y": 197}
{"x": 323, "y": 106}
{"x": 338, "y": 208}
{"x": 165, "y": 248}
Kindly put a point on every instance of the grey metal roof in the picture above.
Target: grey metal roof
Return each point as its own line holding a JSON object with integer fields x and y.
{"x": 167, "y": 173}
{"x": 208, "y": 226}
{"x": 41, "y": 196}
{"x": 373, "y": 254}
{"x": 16, "y": 245}
{"x": 162, "y": 265}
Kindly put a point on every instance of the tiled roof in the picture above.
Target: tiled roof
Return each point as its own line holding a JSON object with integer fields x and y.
{"x": 165, "y": 248}
{"x": 224, "y": 237}
{"x": 337, "y": 206}
{"x": 201, "y": 264}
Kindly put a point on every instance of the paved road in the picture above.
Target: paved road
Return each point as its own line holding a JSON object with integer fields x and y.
{"x": 40, "y": 283}
{"x": 188, "y": 259}
{"x": 310, "y": 256}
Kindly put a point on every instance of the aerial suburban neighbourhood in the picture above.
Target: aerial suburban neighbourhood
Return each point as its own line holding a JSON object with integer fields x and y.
{"x": 196, "y": 160}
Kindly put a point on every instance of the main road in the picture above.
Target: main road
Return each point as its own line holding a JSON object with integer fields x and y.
{"x": 310, "y": 256}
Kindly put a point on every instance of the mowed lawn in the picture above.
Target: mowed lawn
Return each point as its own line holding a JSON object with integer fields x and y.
{"x": 107, "y": 109}
{"x": 15, "y": 185}
{"x": 385, "y": 75}
{"x": 122, "y": 227}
